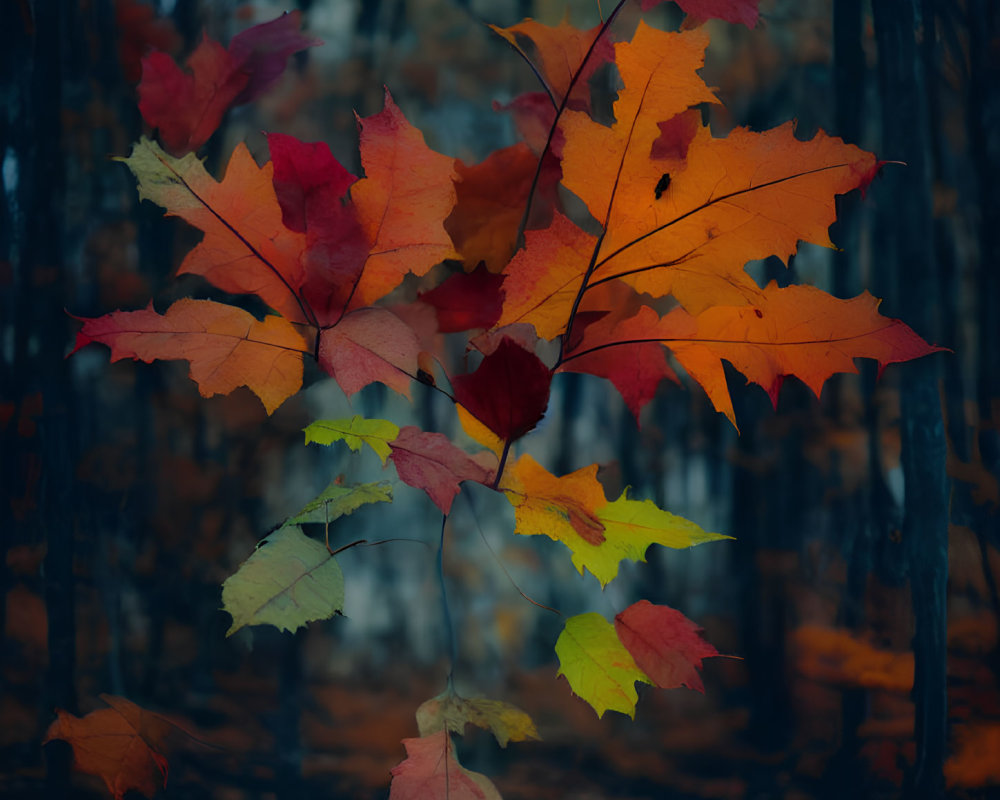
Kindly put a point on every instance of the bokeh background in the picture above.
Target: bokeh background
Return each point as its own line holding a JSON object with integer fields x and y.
{"x": 128, "y": 499}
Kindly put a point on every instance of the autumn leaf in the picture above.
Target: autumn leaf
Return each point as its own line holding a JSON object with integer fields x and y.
{"x": 354, "y": 432}
{"x": 187, "y": 107}
{"x": 123, "y": 745}
{"x": 369, "y": 345}
{"x": 562, "y": 52}
{"x": 684, "y": 217}
{"x": 598, "y": 667}
{"x": 246, "y": 249}
{"x": 466, "y": 301}
{"x": 490, "y": 201}
{"x": 665, "y": 644}
{"x": 429, "y": 461}
{"x": 698, "y": 11}
{"x": 543, "y": 279}
{"x": 226, "y": 346}
{"x": 563, "y": 508}
{"x": 973, "y": 762}
{"x": 795, "y": 330}
{"x": 402, "y": 202}
{"x": 573, "y": 509}
{"x": 288, "y": 581}
{"x": 431, "y": 772}
{"x": 336, "y": 500}
{"x": 452, "y": 713}
{"x": 508, "y": 392}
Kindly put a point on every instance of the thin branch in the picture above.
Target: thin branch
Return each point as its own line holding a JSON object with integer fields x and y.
{"x": 475, "y": 517}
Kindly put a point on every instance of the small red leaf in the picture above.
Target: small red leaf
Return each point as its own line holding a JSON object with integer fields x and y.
{"x": 665, "y": 644}
{"x": 508, "y": 393}
{"x": 429, "y": 461}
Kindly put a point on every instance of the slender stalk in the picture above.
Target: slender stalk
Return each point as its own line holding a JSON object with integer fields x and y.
{"x": 449, "y": 627}
{"x": 503, "y": 463}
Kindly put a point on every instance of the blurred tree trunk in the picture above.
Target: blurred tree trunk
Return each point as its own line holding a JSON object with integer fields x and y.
{"x": 925, "y": 513}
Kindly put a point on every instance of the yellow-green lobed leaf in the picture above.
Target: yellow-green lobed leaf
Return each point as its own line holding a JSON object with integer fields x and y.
{"x": 506, "y": 722}
{"x": 289, "y": 581}
{"x": 337, "y": 500}
{"x": 376, "y": 433}
{"x": 630, "y": 527}
{"x": 598, "y": 667}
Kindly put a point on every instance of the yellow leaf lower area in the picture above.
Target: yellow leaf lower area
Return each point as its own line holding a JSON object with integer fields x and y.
{"x": 598, "y": 667}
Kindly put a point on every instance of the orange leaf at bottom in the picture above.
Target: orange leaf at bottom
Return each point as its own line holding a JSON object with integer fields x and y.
{"x": 118, "y": 744}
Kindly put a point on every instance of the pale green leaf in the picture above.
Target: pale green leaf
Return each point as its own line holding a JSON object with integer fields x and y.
{"x": 598, "y": 667}
{"x": 337, "y": 500}
{"x": 290, "y": 580}
{"x": 376, "y": 433}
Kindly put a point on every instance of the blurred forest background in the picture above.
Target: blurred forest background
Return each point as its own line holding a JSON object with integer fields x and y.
{"x": 128, "y": 499}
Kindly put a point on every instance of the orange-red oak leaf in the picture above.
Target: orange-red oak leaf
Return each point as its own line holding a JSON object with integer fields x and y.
{"x": 429, "y": 461}
{"x": 247, "y": 249}
{"x": 407, "y": 193}
{"x": 796, "y": 330}
{"x": 123, "y": 745}
{"x": 466, "y": 300}
{"x": 311, "y": 185}
{"x": 369, "y": 345}
{"x": 431, "y": 771}
{"x": 544, "y": 278}
{"x": 665, "y": 644}
{"x": 187, "y": 107}
{"x": 226, "y": 346}
{"x": 698, "y": 11}
{"x": 490, "y": 200}
{"x": 508, "y": 392}
{"x": 562, "y": 508}
{"x": 562, "y": 51}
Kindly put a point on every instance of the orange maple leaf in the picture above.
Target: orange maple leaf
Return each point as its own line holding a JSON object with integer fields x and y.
{"x": 123, "y": 745}
{"x": 796, "y": 330}
{"x": 226, "y": 346}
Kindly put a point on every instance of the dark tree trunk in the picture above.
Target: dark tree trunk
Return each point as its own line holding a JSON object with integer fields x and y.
{"x": 925, "y": 513}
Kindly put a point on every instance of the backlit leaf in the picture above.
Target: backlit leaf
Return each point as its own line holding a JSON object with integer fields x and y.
{"x": 402, "y": 202}
{"x": 665, "y": 644}
{"x": 376, "y": 433}
{"x": 226, "y": 346}
{"x": 598, "y": 667}
{"x": 288, "y": 581}
{"x": 429, "y": 461}
{"x": 246, "y": 249}
{"x": 431, "y": 772}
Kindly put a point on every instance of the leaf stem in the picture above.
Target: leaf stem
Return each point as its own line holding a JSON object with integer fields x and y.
{"x": 503, "y": 463}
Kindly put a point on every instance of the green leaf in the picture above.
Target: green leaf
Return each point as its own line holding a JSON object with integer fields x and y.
{"x": 598, "y": 667}
{"x": 505, "y": 721}
{"x": 376, "y": 433}
{"x": 289, "y": 580}
{"x": 337, "y": 500}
